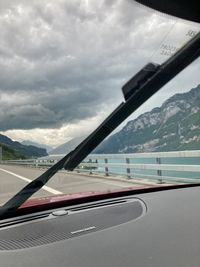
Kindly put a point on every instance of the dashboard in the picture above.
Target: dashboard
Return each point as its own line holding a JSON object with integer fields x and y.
{"x": 150, "y": 229}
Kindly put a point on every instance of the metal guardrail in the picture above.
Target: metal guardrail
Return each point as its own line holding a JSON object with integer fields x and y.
{"x": 125, "y": 166}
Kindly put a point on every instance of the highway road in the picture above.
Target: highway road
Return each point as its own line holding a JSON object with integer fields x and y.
{"x": 14, "y": 178}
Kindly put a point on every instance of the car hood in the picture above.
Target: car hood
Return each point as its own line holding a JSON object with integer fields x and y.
{"x": 40, "y": 201}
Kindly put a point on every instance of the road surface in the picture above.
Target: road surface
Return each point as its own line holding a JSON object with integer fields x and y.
{"x": 14, "y": 178}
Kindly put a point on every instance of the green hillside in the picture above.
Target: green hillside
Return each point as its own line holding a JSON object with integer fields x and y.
{"x": 10, "y": 154}
{"x": 28, "y": 151}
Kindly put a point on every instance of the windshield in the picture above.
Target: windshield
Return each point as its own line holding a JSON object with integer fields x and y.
{"x": 63, "y": 65}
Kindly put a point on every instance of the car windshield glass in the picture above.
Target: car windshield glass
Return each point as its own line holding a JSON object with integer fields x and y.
{"x": 63, "y": 65}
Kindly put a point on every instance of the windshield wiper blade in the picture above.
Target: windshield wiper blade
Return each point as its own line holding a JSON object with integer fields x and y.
{"x": 136, "y": 91}
{"x": 140, "y": 88}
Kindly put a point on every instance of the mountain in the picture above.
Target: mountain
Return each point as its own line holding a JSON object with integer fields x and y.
{"x": 67, "y": 147}
{"x": 31, "y": 143}
{"x": 173, "y": 126}
{"x": 10, "y": 154}
{"x": 25, "y": 151}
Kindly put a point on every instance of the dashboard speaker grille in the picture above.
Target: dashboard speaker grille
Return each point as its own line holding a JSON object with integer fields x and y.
{"x": 59, "y": 228}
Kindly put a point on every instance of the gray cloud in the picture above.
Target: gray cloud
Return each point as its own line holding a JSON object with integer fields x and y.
{"x": 64, "y": 61}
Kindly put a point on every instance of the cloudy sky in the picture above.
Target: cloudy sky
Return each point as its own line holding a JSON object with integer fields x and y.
{"x": 63, "y": 62}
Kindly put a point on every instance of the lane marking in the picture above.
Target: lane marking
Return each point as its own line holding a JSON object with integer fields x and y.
{"x": 46, "y": 188}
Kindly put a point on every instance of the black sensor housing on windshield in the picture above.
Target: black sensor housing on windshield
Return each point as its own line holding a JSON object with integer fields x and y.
{"x": 139, "y": 79}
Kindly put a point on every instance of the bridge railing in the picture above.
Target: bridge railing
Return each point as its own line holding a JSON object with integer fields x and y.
{"x": 175, "y": 166}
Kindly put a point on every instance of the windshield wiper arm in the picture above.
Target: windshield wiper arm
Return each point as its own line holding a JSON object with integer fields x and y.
{"x": 141, "y": 87}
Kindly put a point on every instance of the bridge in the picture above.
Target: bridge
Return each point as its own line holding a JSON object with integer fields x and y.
{"x": 101, "y": 172}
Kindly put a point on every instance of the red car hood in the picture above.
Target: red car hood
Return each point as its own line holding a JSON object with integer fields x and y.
{"x": 64, "y": 197}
